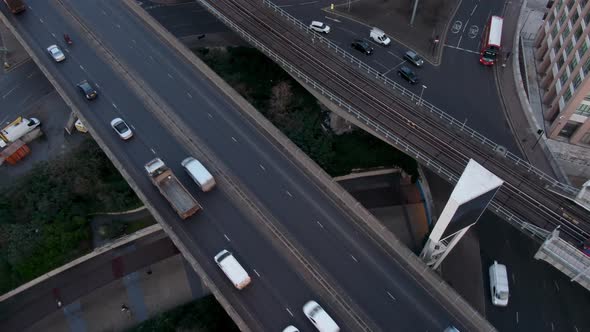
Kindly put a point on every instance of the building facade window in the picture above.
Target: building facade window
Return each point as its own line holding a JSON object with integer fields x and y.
{"x": 551, "y": 18}
{"x": 562, "y": 18}
{"x": 563, "y": 78}
{"x": 577, "y": 81}
{"x": 582, "y": 3}
{"x": 586, "y": 67}
{"x": 567, "y": 95}
{"x": 573, "y": 64}
{"x": 575, "y": 16}
{"x": 569, "y": 129}
{"x": 554, "y": 32}
{"x": 578, "y": 32}
{"x": 566, "y": 32}
{"x": 568, "y": 48}
{"x": 585, "y": 139}
{"x": 583, "y": 48}
{"x": 560, "y": 62}
{"x": 583, "y": 109}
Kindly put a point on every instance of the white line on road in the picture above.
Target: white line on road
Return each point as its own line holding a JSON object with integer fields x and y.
{"x": 115, "y": 105}
{"x": 473, "y": 11}
{"x": 395, "y": 55}
{"x": 82, "y": 67}
{"x": 462, "y": 49}
{"x": 53, "y": 34}
{"x": 133, "y": 40}
{"x": 98, "y": 86}
{"x": 189, "y": 95}
{"x": 170, "y": 76}
{"x": 9, "y": 92}
{"x": 307, "y": 3}
{"x": 319, "y": 223}
{"x": 234, "y": 139}
{"x": 576, "y": 328}
{"x": 517, "y": 317}
{"x": 288, "y": 193}
{"x": 556, "y": 285}
{"x": 258, "y": 274}
{"x": 332, "y": 19}
{"x": 118, "y": 26}
{"x": 513, "y": 279}
{"x": 132, "y": 127}
{"x": 153, "y": 151}
{"x": 227, "y": 238}
{"x": 380, "y": 64}
{"x": 354, "y": 258}
{"x": 388, "y": 293}
{"x": 264, "y": 169}
{"x": 552, "y": 327}
{"x": 41, "y": 20}
{"x": 459, "y": 42}
{"x": 289, "y": 311}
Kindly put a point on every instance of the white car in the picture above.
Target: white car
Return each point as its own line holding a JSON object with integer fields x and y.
{"x": 320, "y": 319}
{"x": 291, "y": 328}
{"x": 121, "y": 128}
{"x": 319, "y": 27}
{"x": 56, "y": 53}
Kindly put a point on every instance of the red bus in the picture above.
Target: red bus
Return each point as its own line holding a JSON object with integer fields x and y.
{"x": 491, "y": 43}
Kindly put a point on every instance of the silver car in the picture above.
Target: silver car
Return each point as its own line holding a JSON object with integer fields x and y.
{"x": 319, "y": 27}
{"x": 122, "y": 128}
{"x": 56, "y": 53}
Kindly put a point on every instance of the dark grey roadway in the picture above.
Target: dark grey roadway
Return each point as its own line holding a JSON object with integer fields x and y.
{"x": 370, "y": 276}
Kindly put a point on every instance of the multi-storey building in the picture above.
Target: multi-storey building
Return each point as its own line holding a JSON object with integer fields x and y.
{"x": 564, "y": 65}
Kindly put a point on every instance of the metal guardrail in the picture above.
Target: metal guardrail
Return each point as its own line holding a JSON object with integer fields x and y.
{"x": 496, "y": 207}
{"x": 426, "y": 105}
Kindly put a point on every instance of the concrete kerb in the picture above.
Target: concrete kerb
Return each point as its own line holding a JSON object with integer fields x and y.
{"x": 314, "y": 171}
{"x": 367, "y": 173}
{"x": 120, "y": 212}
{"x": 96, "y": 252}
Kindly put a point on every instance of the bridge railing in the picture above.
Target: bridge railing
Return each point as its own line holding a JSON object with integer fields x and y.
{"x": 565, "y": 188}
{"x": 385, "y": 133}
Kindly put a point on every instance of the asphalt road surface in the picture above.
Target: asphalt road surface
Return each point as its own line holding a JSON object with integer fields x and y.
{"x": 351, "y": 261}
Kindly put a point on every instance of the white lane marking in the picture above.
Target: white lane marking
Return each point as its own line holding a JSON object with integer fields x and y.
{"x": 115, "y": 105}
{"x": 133, "y": 40}
{"x": 319, "y": 223}
{"x": 332, "y": 19}
{"x": 82, "y": 67}
{"x": 132, "y": 127}
{"x": 258, "y": 274}
{"x": 118, "y": 26}
{"x": 234, "y": 139}
{"x": 473, "y": 11}
{"x": 380, "y": 64}
{"x": 53, "y": 34}
{"x": 576, "y": 328}
{"x": 153, "y": 151}
{"x": 353, "y": 258}
{"x": 227, "y": 238}
{"x": 189, "y": 95}
{"x": 556, "y": 285}
{"x": 41, "y": 20}
{"x": 462, "y": 49}
{"x": 513, "y": 278}
{"x": 288, "y": 193}
{"x": 395, "y": 55}
{"x": 98, "y": 86}
{"x": 170, "y": 76}
{"x": 9, "y": 92}
{"x": 264, "y": 169}
{"x": 552, "y": 327}
{"x": 517, "y": 317}
{"x": 289, "y": 311}
{"x": 459, "y": 42}
{"x": 388, "y": 293}
{"x": 307, "y": 3}
{"x": 209, "y": 115}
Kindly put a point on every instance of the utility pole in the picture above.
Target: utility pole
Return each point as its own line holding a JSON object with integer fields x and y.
{"x": 413, "y": 12}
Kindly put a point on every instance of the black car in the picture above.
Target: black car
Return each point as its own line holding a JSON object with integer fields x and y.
{"x": 87, "y": 89}
{"x": 362, "y": 45}
{"x": 408, "y": 74}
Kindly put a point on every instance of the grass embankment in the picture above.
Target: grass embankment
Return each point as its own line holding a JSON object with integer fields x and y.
{"x": 202, "y": 315}
{"x": 298, "y": 114}
{"x": 43, "y": 215}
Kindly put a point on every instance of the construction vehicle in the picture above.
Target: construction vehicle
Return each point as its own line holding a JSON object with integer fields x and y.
{"x": 181, "y": 200}
{"x": 17, "y": 129}
{"x": 13, "y": 139}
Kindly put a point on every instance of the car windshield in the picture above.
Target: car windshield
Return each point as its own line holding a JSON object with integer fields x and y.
{"x": 503, "y": 295}
{"x": 86, "y": 87}
{"x": 121, "y": 127}
{"x": 55, "y": 51}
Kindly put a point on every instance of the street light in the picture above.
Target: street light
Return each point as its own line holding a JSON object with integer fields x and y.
{"x": 421, "y": 93}
{"x": 540, "y": 133}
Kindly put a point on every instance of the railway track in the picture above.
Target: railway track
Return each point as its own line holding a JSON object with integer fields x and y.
{"x": 523, "y": 193}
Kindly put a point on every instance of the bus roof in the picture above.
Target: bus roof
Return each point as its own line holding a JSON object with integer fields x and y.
{"x": 495, "y": 31}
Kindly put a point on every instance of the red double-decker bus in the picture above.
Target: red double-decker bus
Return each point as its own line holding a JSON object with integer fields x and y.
{"x": 491, "y": 42}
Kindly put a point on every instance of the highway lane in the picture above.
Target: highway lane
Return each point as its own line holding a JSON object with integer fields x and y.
{"x": 346, "y": 252}
{"x": 279, "y": 286}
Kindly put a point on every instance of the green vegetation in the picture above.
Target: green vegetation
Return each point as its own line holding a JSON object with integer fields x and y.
{"x": 117, "y": 228}
{"x": 43, "y": 215}
{"x": 298, "y": 114}
{"x": 202, "y": 315}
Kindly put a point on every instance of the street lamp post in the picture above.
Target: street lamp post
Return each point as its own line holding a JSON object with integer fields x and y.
{"x": 540, "y": 133}
{"x": 421, "y": 93}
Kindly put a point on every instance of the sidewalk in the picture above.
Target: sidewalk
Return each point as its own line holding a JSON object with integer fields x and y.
{"x": 512, "y": 87}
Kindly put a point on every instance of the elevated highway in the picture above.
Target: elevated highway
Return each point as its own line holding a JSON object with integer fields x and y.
{"x": 300, "y": 236}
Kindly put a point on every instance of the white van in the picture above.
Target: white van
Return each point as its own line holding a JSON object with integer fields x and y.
{"x": 319, "y": 317}
{"x": 379, "y": 37}
{"x": 232, "y": 269}
{"x": 199, "y": 173}
{"x": 499, "y": 284}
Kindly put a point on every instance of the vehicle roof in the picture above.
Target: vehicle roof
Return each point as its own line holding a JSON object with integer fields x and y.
{"x": 411, "y": 53}
{"x": 197, "y": 169}
{"x": 232, "y": 267}
{"x": 495, "y": 31}
{"x": 324, "y": 322}
{"x": 317, "y": 23}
